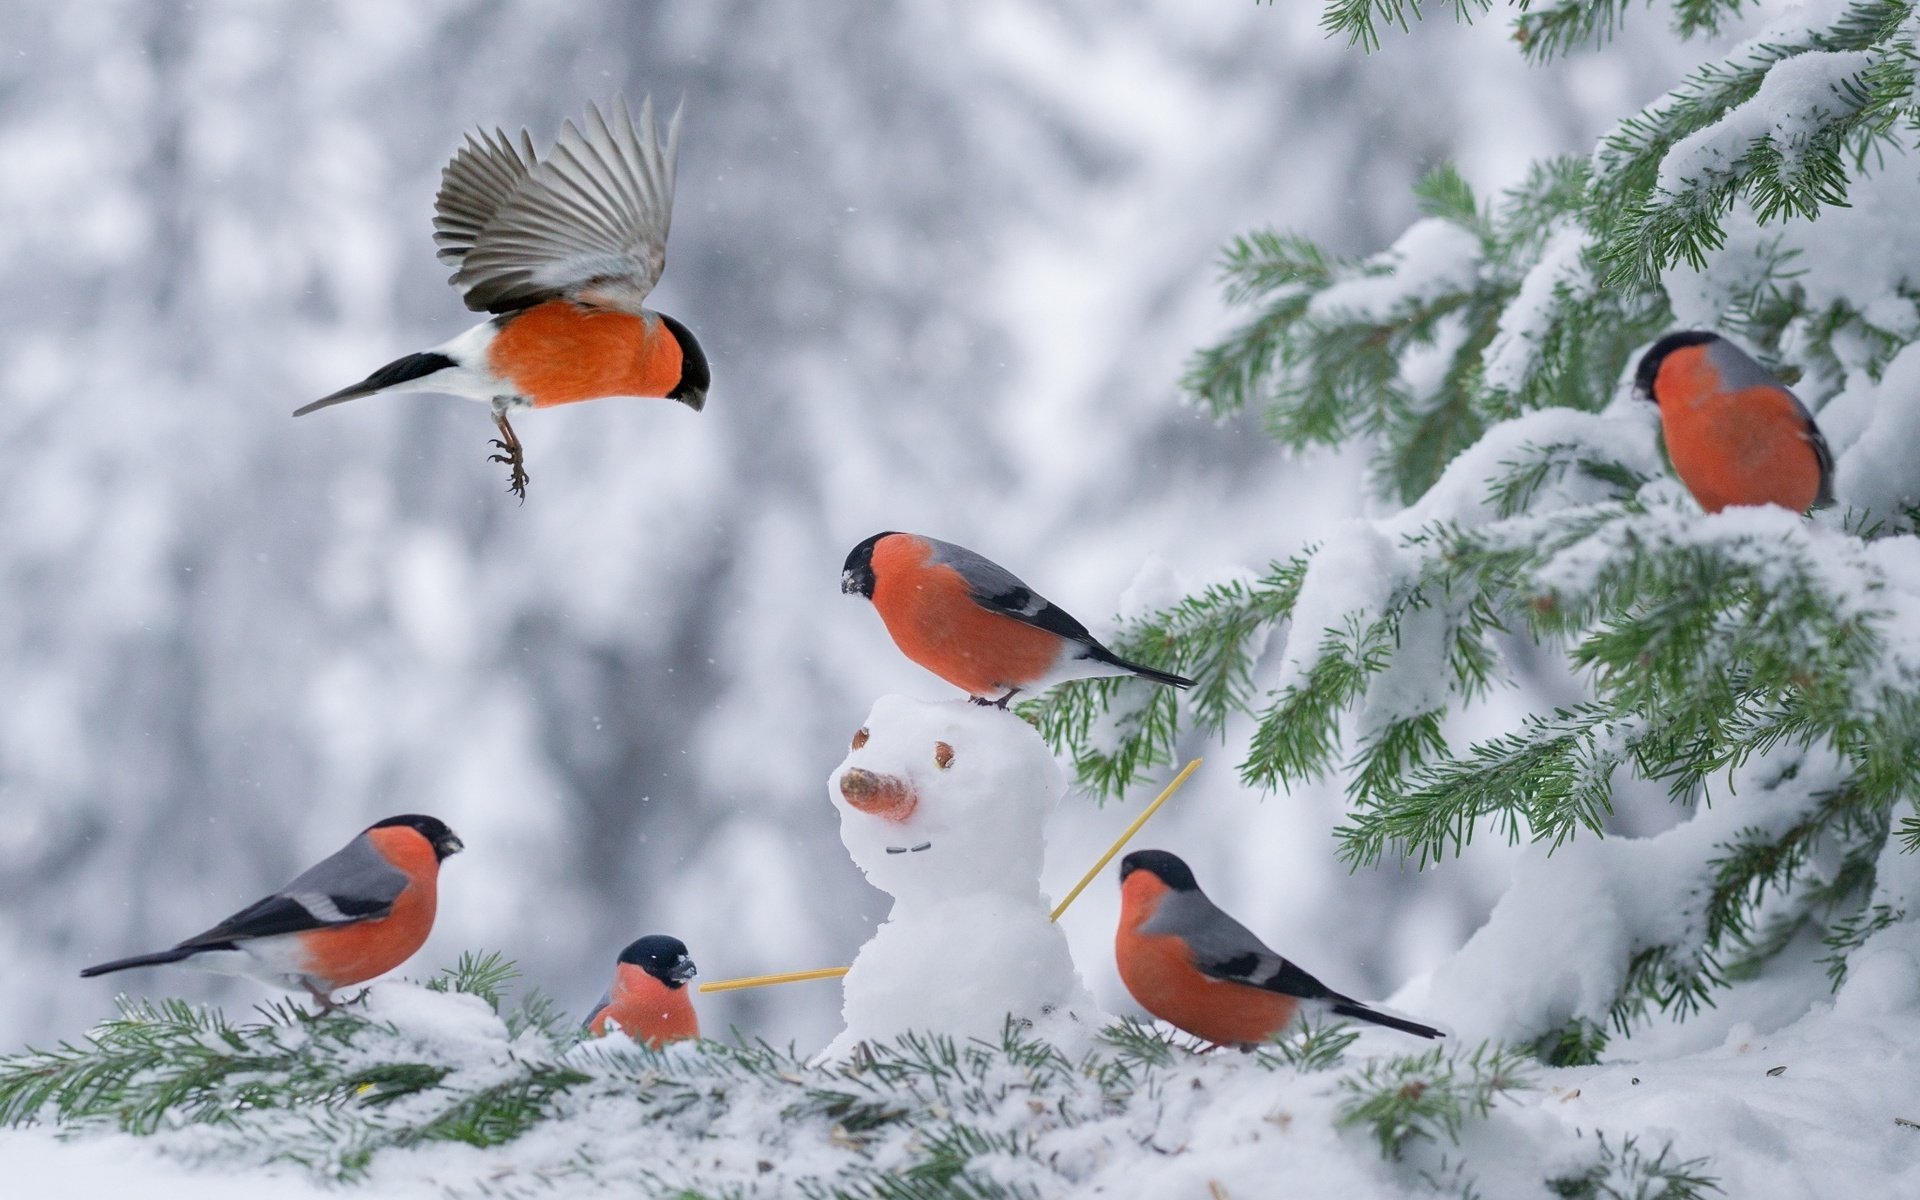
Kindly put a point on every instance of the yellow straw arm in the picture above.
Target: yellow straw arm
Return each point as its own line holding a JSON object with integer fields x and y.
{"x": 1093, "y": 872}
{"x": 753, "y": 981}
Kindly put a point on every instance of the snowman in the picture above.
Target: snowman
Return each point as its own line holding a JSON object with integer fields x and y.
{"x": 944, "y": 807}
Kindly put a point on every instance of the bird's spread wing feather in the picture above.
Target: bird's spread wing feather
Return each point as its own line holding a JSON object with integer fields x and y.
{"x": 590, "y": 222}
{"x": 357, "y": 884}
{"x": 474, "y": 186}
{"x": 994, "y": 587}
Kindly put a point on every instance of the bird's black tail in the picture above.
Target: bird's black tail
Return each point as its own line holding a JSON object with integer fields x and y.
{"x": 1102, "y": 654}
{"x": 1350, "y": 1008}
{"x": 143, "y": 960}
{"x": 400, "y": 370}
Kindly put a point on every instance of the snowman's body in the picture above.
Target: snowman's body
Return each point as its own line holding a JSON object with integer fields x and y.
{"x": 944, "y": 807}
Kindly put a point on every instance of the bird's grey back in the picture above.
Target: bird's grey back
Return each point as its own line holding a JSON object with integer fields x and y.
{"x": 983, "y": 575}
{"x": 1737, "y": 369}
{"x": 1216, "y": 938}
{"x": 358, "y": 872}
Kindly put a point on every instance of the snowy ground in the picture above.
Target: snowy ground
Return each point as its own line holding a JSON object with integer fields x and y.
{"x": 1811, "y": 1108}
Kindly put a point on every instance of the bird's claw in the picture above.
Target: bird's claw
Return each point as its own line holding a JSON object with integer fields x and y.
{"x": 509, "y": 446}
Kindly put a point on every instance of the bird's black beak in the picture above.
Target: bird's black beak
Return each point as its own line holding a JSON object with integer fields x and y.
{"x": 849, "y": 584}
{"x": 682, "y": 971}
{"x": 448, "y": 846}
{"x": 693, "y": 398}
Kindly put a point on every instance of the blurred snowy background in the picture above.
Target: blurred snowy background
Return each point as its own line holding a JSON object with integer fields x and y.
{"x": 947, "y": 266}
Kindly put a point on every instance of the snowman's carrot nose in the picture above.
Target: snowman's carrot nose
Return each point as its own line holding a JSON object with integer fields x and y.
{"x": 1120, "y": 843}
{"x": 883, "y": 796}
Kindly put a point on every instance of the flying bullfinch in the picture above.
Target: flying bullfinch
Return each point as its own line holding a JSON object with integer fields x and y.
{"x": 972, "y": 623}
{"x": 1200, "y": 970}
{"x": 649, "y": 1001}
{"x": 563, "y": 252}
{"x": 1735, "y": 434}
{"x": 356, "y": 914}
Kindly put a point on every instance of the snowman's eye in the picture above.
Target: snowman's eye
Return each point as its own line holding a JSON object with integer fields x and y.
{"x": 859, "y": 737}
{"x": 942, "y": 755}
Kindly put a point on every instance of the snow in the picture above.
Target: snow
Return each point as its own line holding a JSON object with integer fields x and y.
{"x": 1878, "y": 470}
{"x": 1797, "y": 95}
{"x": 1802, "y": 1105}
{"x": 959, "y": 845}
{"x": 1512, "y": 354}
{"x": 1433, "y": 258}
{"x": 1575, "y": 914}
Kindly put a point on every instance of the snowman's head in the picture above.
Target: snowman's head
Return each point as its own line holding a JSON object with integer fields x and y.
{"x": 945, "y": 799}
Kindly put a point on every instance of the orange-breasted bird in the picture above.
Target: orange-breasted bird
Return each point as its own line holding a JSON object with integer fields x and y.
{"x": 1735, "y": 434}
{"x": 564, "y": 253}
{"x": 355, "y": 914}
{"x": 649, "y": 1000}
{"x": 1198, "y": 969}
{"x": 975, "y": 625}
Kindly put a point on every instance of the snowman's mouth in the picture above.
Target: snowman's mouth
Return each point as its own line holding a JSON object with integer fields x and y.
{"x": 910, "y": 849}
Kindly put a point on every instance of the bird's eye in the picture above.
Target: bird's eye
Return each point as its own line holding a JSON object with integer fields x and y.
{"x": 859, "y": 737}
{"x": 942, "y": 755}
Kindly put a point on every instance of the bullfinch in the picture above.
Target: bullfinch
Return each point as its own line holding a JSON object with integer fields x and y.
{"x": 1198, "y": 969}
{"x": 649, "y": 1000}
{"x": 972, "y": 623}
{"x": 563, "y": 253}
{"x": 355, "y": 914}
{"x": 1735, "y": 434}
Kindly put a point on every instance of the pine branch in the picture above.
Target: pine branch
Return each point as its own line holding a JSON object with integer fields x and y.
{"x": 1428, "y": 1096}
{"x": 1360, "y": 20}
{"x": 1650, "y": 227}
{"x": 1622, "y": 1171}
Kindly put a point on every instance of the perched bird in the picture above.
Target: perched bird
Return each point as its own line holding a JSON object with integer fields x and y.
{"x": 1735, "y": 434}
{"x": 564, "y": 252}
{"x": 1197, "y": 968}
{"x": 973, "y": 624}
{"x": 649, "y": 1001}
{"x": 356, "y": 914}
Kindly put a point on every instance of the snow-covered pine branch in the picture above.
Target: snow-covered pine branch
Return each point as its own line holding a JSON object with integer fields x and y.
{"x": 516, "y": 1105}
{"x": 1484, "y": 358}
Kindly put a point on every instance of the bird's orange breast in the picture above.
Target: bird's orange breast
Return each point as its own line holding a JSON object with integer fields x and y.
{"x": 646, "y": 1010}
{"x": 1158, "y": 971}
{"x": 560, "y": 352}
{"x": 932, "y": 616}
{"x": 1739, "y": 447}
{"x": 355, "y": 953}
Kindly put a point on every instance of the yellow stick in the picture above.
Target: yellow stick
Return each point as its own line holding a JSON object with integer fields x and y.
{"x": 734, "y": 985}
{"x": 753, "y": 981}
{"x": 1125, "y": 837}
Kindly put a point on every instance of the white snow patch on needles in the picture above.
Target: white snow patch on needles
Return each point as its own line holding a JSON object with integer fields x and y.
{"x": 1432, "y": 259}
{"x": 1515, "y": 348}
{"x": 1797, "y": 97}
{"x": 1880, "y": 470}
{"x": 1367, "y": 564}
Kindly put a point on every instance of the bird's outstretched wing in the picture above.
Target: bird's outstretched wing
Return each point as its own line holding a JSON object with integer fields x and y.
{"x": 355, "y": 885}
{"x": 589, "y": 222}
